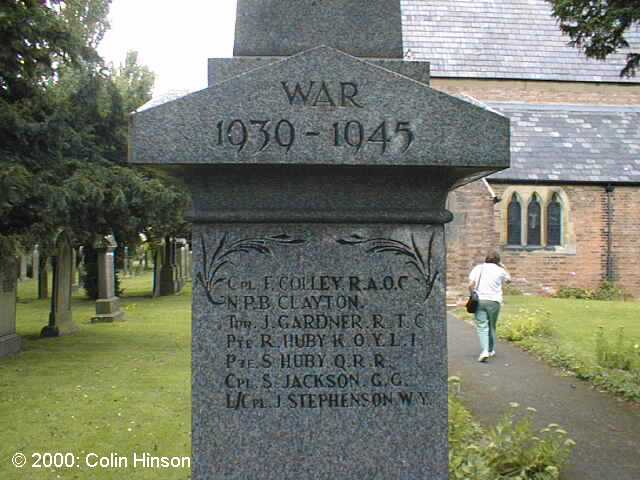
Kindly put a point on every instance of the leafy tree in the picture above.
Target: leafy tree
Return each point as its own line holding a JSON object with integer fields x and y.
{"x": 34, "y": 44}
{"x": 63, "y": 132}
{"x": 598, "y": 27}
{"x": 133, "y": 81}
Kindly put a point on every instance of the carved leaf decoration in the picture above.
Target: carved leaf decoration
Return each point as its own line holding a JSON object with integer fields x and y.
{"x": 214, "y": 264}
{"x": 397, "y": 248}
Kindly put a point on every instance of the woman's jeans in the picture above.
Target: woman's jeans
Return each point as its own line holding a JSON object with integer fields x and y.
{"x": 486, "y": 320}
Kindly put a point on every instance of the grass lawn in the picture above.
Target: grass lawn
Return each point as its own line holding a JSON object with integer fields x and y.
{"x": 125, "y": 387}
{"x": 571, "y": 343}
{"x": 121, "y": 387}
{"x": 575, "y": 322}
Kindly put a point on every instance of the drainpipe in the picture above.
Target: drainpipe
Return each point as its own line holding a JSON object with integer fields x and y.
{"x": 610, "y": 267}
{"x": 492, "y": 192}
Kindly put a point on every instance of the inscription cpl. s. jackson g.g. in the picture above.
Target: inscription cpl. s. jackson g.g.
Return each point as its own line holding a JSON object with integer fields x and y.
{"x": 356, "y": 134}
{"x": 318, "y": 339}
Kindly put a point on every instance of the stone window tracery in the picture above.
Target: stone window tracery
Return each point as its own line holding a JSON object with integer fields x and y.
{"x": 534, "y": 221}
{"x": 514, "y": 222}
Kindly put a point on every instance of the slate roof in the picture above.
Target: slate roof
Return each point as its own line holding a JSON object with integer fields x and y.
{"x": 572, "y": 143}
{"x": 515, "y": 39}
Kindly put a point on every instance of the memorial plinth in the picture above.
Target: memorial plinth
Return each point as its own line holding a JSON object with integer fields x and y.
{"x": 319, "y": 184}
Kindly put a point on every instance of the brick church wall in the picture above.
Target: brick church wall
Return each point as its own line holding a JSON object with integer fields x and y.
{"x": 470, "y": 235}
{"x": 480, "y": 224}
{"x": 531, "y": 91}
{"x": 626, "y": 238}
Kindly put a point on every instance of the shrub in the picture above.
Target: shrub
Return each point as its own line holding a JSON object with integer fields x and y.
{"x": 510, "y": 289}
{"x": 609, "y": 291}
{"x": 606, "y": 291}
{"x": 623, "y": 354}
{"x": 577, "y": 293}
{"x": 525, "y": 324}
{"x": 510, "y": 450}
{"x": 517, "y": 451}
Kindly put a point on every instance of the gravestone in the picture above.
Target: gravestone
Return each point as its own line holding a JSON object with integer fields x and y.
{"x": 169, "y": 281}
{"x": 107, "y": 305}
{"x": 23, "y": 268}
{"x": 60, "y": 316}
{"x": 75, "y": 277}
{"x": 158, "y": 260}
{"x": 319, "y": 183}
{"x": 35, "y": 263}
{"x": 43, "y": 277}
{"x": 189, "y": 264}
{"x": 9, "y": 341}
{"x": 181, "y": 250}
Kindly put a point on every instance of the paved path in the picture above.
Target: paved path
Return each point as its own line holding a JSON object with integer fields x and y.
{"x": 606, "y": 430}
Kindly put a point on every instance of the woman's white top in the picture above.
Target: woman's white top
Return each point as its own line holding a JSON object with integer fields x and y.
{"x": 491, "y": 277}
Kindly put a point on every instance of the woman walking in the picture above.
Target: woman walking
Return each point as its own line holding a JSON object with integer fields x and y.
{"x": 487, "y": 280}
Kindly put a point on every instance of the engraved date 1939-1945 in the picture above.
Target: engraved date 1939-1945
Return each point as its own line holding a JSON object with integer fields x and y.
{"x": 396, "y": 136}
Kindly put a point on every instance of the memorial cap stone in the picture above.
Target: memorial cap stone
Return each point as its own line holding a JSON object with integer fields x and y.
{"x": 321, "y": 107}
{"x": 283, "y": 28}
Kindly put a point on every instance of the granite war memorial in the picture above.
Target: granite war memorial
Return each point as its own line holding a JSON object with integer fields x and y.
{"x": 319, "y": 163}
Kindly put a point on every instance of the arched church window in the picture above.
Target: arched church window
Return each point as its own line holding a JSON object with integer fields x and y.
{"x": 514, "y": 221}
{"x": 554, "y": 222}
{"x": 533, "y": 222}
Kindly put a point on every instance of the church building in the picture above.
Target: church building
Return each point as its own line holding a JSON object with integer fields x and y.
{"x": 567, "y": 212}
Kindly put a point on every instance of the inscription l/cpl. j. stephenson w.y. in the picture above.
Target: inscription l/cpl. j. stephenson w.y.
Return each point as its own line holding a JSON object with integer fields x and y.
{"x": 352, "y": 131}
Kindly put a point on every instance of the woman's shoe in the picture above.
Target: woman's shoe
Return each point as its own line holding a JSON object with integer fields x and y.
{"x": 484, "y": 356}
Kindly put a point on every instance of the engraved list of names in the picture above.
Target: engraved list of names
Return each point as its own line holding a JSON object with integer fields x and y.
{"x": 310, "y": 318}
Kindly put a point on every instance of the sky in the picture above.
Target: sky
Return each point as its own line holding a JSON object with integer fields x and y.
{"x": 174, "y": 39}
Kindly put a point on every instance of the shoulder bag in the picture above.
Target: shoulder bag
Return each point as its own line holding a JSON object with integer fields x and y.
{"x": 472, "y": 302}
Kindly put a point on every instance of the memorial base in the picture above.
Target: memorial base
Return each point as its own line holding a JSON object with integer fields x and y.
{"x": 169, "y": 284}
{"x": 108, "y": 310}
{"x": 10, "y": 345}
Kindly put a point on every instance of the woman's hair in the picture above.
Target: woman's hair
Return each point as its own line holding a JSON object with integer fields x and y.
{"x": 493, "y": 257}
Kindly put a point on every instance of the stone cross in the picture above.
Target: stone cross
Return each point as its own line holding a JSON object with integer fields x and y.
{"x": 9, "y": 342}
{"x": 319, "y": 164}
{"x": 108, "y": 304}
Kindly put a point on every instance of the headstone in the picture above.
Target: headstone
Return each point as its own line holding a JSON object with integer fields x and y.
{"x": 43, "y": 278}
{"x": 158, "y": 260}
{"x": 60, "y": 316}
{"x": 319, "y": 183}
{"x": 81, "y": 266}
{"x": 35, "y": 263}
{"x": 169, "y": 282}
{"x": 181, "y": 250}
{"x": 126, "y": 271}
{"x": 190, "y": 264}
{"x": 107, "y": 305}
{"x": 23, "y": 268}
{"x": 9, "y": 341}
{"x": 75, "y": 278}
